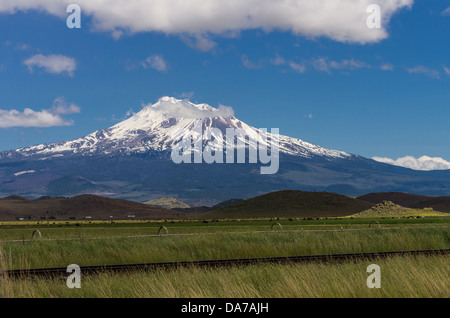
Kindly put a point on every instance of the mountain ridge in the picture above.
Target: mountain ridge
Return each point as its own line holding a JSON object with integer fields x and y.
{"x": 132, "y": 160}
{"x": 158, "y": 127}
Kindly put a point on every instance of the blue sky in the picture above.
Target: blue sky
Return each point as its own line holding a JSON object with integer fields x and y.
{"x": 339, "y": 86}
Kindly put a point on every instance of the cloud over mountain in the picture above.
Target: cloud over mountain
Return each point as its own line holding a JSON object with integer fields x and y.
{"x": 173, "y": 107}
{"x": 340, "y": 20}
{"x": 423, "y": 163}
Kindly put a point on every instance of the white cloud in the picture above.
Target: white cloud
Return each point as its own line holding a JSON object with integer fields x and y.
{"x": 249, "y": 64}
{"x": 420, "y": 69}
{"x": 320, "y": 64}
{"x": 323, "y": 64}
{"x": 278, "y": 60}
{"x": 21, "y": 47}
{"x": 61, "y": 107}
{"x": 200, "y": 42}
{"x": 128, "y": 114}
{"x": 350, "y": 64}
{"x": 422, "y": 163}
{"x": 446, "y": 11}
{"x": 300, "y": 68}
{"x": 156, "y": 62}
{"x": 44, "y": 118}
{"x": 387, "y": 67}
{"x": 446, "y": 70}
{"x": 30, "y": 118}
{"x": 340, "y": 20}
{"x": 54, "y": 64}
{"x": 326, "y": 65}
{"x": 183, "y": 108}
{"x": 187, "y": 95}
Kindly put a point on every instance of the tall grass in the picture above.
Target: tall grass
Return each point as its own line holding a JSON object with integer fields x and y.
{"x": 219, "y": 246}
{"x": 400, "y": 276}
{"x": 5, "y": 284}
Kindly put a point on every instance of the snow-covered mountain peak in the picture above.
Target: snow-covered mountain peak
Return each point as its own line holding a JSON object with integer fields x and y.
{"x": 170, "y": 107}
{"x": 168, "y": 99}
{"x": 159, "y": 126}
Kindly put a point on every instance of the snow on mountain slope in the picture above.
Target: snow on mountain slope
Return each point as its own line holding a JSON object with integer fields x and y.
{"x": 159, "y": 127}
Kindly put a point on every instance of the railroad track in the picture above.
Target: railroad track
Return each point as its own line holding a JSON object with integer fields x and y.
{"x": 62, "y": 271}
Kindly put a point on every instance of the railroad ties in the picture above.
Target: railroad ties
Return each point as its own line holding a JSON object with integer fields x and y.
{"x": 327, "y": 259}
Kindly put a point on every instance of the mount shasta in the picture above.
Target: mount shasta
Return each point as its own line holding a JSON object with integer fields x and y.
{"x": 132, "y": 160}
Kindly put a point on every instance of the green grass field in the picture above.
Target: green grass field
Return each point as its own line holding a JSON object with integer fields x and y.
{"x": 96, "y": 245}
{"x": 136, "y": 242}
{"x": 400, "y": 277}
{"x": 87, "y": 229}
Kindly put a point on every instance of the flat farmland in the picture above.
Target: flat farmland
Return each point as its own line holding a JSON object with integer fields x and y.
{"x": 139, "y": 242}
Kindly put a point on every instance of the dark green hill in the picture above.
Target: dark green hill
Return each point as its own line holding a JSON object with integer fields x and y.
{"x": 96, "y": 207}
{"x": 14, "y": 197}
{"x": 291, "y": 203}
{"x": 441, "y": 204}
{"x": 226, "y": 203}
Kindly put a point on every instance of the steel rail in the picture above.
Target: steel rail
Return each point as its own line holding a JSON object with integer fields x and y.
{"x": 321, "y": 258}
